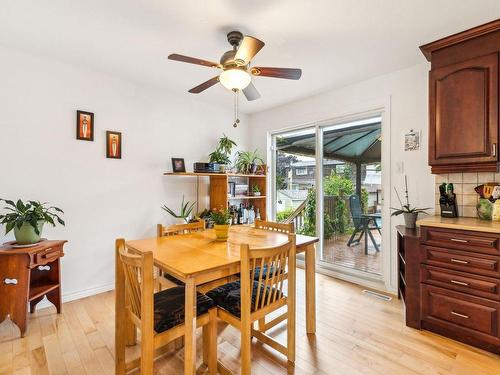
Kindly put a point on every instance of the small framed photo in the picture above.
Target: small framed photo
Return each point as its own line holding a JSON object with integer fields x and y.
{"x": 113, "y": 145}
{"x": 178, "y": 165}
{"x": 412, "y": 140}
{"x": 85, "y": 126}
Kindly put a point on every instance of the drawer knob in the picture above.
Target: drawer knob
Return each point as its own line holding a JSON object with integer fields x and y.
{"x": 44, "y": 268}
{"x": 460, "y": 315}
{"x": 8, "y": 281}
{"x": 459, "y": 261}
{"x": 459, "y": 240}
{"x": 459, "y": 282}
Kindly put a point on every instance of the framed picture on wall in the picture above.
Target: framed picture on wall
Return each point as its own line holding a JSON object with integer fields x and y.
{"x": 85, "y": 126}
{"x": 178, "y": 165}
{"x": 113, "y": 145}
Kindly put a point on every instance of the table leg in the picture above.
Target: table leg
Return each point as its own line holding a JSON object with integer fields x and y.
{"x": 190, "y": 327}
{"x": 311, "y": 289}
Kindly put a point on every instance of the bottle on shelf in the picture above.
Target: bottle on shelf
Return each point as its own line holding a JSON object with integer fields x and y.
{"x": 240, "y": 214}
{"x": 251, "y": 215}
{"x": 245, "y": 214}
{"x": 257, "y": 214}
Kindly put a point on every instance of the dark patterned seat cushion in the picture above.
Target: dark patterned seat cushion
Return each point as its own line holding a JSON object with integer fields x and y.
{"x": 169, "y": 307}
{"x": 257, "y": 272}
{"x": 228, "y": 296}
{"x": 173, "y": 279}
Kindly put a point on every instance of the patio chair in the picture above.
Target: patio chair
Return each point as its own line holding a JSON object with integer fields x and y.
{"x": 362, "y": 225}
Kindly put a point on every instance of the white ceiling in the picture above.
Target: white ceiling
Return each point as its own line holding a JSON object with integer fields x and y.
{"x": 335, "y": 42}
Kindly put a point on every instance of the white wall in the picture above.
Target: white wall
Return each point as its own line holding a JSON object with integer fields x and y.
{"x": 103, "y": 198}
{"x": 407, "y": 90}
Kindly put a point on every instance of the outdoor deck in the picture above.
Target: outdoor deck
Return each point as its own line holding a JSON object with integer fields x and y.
{"x": 336, "y": 251}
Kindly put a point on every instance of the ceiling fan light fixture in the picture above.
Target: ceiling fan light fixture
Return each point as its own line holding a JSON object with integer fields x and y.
{"x": 235, "y": 79}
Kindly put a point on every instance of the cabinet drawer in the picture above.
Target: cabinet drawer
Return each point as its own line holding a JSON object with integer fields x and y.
{"x": 486, "y": 265}
{"x": 478, "y": 317}
{"x": 461, "y": 240}
{"x": 480, "y": 286}
{"x": 48, "y": 255}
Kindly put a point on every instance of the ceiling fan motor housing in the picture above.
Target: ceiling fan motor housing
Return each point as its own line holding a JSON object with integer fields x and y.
{"x": 234, "y": 38}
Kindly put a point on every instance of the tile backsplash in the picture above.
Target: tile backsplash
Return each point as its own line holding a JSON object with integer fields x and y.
{"x": 464, "y": 184}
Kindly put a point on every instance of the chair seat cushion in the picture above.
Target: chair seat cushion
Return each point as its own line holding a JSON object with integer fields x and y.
{"x": 228, "y": 296}
{"x": 169, "y": 307}
{"x": 264, "y": 274}
{"x": 173, "y": 279}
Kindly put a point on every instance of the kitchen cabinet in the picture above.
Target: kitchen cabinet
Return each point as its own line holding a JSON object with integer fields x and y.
{"x": 464, "y": 100}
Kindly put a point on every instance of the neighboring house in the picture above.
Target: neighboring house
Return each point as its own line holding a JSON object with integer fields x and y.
{"x": 290, "y": 199}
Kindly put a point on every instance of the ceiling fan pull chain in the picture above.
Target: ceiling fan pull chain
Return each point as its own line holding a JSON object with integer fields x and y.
{"x": 236, "y": 108}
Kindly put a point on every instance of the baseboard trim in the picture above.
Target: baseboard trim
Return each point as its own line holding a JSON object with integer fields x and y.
{"x": 67, "y": 297}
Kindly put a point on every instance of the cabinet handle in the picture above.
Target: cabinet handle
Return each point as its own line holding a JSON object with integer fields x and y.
{"x": 459, "y": 261}
{"x": 459, "y": 282}
{"x": 494, "y": 149}
{"x": 458, "y": 240}
{"x": 44, "y": 268}
{"x": 460, "y": 315}
{"x": 8, "y": 281}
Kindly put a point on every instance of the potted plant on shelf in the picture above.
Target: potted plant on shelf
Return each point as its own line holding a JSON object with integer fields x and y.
{"x": 256, "y": 190}
{"x": 220, "y": 218}
{"x": 27, "y": 219}
{"x": 221, "y": 155}
{"x": 248, "y": 161}
{"x": 410, "y": 213}
{"x": 185, "y": 212}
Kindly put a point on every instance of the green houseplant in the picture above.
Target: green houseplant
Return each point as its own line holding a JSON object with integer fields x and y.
{"x": 184, "y": 213}
{"x": 410, "y": 213}
{"x": 221, "y": 155}
{"x": 256, "y": 190}
{"x": 27, "y": 219}
{"x": 248, "y": 161}
{"x": 220, "y": 218}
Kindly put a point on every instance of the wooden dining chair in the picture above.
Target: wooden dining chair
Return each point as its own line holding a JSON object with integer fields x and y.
{"x": 241, "y": 303}
{"x": 159, "y": 316}
{"x": 276, "y": 227}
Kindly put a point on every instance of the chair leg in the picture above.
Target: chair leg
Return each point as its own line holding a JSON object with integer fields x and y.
{"x": 212, "y": 342}
{"x": 246, "y": 347}
{"x": 349, "y": 243}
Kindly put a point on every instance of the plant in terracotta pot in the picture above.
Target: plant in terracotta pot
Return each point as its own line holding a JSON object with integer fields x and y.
{"x": 410, "y": 213}
{"x": 185, "y": 212}
{"x": 27, "y": 219}
{"x": 248, "y": 161}
{"x": 220, "y": 218}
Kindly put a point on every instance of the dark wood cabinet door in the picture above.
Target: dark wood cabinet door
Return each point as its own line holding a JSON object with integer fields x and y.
{"x": 464, "y": 115}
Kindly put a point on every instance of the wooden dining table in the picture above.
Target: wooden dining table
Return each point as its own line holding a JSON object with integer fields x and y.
{"x": 198, "y": 258}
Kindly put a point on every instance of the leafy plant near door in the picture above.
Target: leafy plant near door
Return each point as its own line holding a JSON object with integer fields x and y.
{"x": 185, "y": 211}
{"x": 410, "y": 213}
{"x": 222, "y": 153}
{"x": 248, "y": 161}
{"x": 27, "y": 219}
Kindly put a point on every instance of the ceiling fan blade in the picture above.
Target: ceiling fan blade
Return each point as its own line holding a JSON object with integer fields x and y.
{"x": 249, "y": 47}
{"x": 251, "y": 92}
{"x": 287, "y": 73}
{"x": 192, "y": 60}
{"x": 204, "y": 85}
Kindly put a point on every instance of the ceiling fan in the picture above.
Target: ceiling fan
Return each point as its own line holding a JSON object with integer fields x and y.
{"x": 236, "y": 72}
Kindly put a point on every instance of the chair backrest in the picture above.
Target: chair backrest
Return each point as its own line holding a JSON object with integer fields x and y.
{"x": 136, "y": 273}
{"x": 355, "y": 206}
{"x": 277, "y": 227}
{"x": 177, "y": 229}
{"x": 275, "y": 265}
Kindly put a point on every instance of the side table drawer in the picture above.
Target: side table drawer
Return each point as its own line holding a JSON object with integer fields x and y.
{"x": 48, "y": 255}
{"x": 462, "y": 240}
{"x": 480, "y": 264}
{"x": 480, "y": 286}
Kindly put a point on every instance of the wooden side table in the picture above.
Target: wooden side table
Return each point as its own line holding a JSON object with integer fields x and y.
{"x": 26, "y": 276}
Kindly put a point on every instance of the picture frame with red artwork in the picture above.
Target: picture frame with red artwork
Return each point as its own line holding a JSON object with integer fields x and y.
{"x": 113, "y": 145}
{"x": 85, "y": 126}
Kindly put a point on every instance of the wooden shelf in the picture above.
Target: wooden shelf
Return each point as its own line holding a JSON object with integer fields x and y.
{"x": 247, "y": 197}
{"x": 41, "y": 290}
{"x": 207, "y": 174}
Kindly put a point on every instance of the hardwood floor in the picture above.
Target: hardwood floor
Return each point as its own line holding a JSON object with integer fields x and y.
{"x": 357, "y": 334}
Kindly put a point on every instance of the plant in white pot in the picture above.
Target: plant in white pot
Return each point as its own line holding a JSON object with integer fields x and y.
{"x": 185, "y": 212}
{"x": 410, "y": 213}
{"x": 27, "y": 219}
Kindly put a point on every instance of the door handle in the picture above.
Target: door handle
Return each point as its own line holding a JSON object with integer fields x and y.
{"x": 8, "y": 281}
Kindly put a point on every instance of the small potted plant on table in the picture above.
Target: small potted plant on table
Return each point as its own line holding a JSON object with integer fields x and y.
{"x": 220, "y": 218}
{"x": 410, "y": 214}
{"x": 27, "y": 219}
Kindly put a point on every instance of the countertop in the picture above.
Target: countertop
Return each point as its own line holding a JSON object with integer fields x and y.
{"x": 464, "y": 223}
